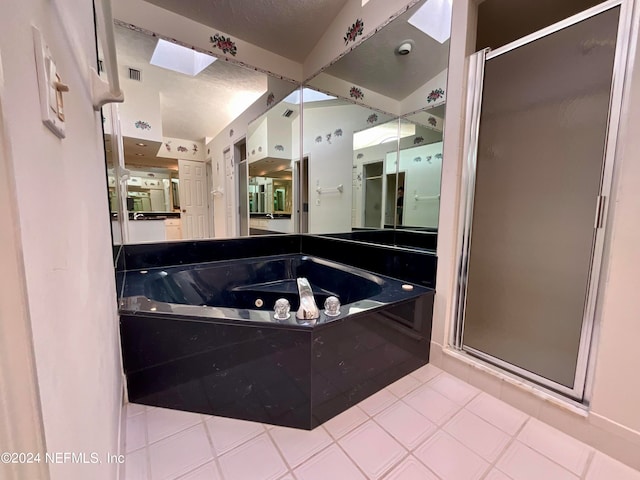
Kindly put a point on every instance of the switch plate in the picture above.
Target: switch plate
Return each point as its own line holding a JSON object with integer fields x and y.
{"x": 51, "y": 103}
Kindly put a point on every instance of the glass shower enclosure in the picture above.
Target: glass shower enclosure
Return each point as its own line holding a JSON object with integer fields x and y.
{"x": 542, "y": 115}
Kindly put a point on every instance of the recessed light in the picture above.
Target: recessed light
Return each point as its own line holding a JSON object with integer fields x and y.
{"x": 141, "y": 144}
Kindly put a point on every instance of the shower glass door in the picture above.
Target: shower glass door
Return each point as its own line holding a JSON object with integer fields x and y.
{"x": 535, "y": 186}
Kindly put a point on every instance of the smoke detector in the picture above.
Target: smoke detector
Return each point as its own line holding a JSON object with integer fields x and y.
{"x": 405, "y": 47}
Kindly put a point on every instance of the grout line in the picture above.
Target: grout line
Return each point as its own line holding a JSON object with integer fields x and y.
{"x": 284, "y": 460}
{"x": 146, "y": 443}
{"x": 592, "y": 450}
{"x": 213, "y": 449}
{"x": 588, "y": 463}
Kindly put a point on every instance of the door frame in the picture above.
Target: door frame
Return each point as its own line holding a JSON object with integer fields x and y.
{"x": 467, "y": 192}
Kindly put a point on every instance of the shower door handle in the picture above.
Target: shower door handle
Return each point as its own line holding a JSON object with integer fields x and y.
{"x": 601, "y": 202}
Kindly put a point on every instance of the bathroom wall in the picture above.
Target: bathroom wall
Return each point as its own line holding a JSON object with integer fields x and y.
{"x": 612, "y": 423}
{"x": 330, "y": 163}
{"x": 65, "y": 232}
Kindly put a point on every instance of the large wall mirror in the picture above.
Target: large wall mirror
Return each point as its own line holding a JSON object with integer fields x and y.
{"x": 392, "y": 178}
{"x": 219, "y": 150}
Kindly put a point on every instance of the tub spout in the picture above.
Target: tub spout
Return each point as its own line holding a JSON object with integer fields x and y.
{"x": 308, "y": 309}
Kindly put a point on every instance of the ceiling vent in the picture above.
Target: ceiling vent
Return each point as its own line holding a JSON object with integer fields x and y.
{"x": 287, "y": 113}
{"x": 135, "y": 74}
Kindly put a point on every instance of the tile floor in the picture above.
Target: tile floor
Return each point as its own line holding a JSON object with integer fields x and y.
{"x": 427, "y": 426}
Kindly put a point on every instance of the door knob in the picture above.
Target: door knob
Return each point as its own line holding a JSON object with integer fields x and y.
{"x": 184, "y": 211}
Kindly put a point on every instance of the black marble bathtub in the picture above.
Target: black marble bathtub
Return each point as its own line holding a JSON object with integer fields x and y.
{"x": 203, "y": 338}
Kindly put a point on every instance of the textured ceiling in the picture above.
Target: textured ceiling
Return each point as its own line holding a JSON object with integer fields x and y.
{"x": 192, "y": 107}
{"x": 375, "y": 65}
{"x": 290, "y": 28}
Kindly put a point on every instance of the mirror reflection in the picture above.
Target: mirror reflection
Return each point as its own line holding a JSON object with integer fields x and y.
{"x": 232, "y": 151}
{"x": 402, "y": 69}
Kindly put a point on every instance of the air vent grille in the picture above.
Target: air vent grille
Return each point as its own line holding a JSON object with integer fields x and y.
{"x": 287, "y": 113}
{"x": 135, "y": 74}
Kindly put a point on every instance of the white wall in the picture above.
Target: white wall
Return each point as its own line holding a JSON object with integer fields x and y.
{"x": 616, "y": 390}
{"x": 66, "y": 243}
{"x": 422, "y": 179}
{"x": 331, "y": 164}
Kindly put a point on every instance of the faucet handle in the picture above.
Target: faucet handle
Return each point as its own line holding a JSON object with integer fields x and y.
{"x": 282, "y": 308}
{"x": 332, "y": 306}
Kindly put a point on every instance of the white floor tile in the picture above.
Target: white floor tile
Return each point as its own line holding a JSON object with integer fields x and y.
{"x": 377, "y": 402}
{"x": 331, "y": 463}
{"x": 298, "y": 445}
{"x": 410, "y": 469}
{"x": 403, "y": 386}
{"x": 498, "y": 413}
{"x": 496, "y": 474}
{"x": 135, "y": 434}
{"x": 208, "y": 471}
{"x": 405, "y": 424}
{"x": 480, "y": 436}
{"x": 135, "y": 467}
{"x": 559, "y": 447}
{"x": 135, "y": 409}
{"x": 453, "y": 388}
{"x": 431, "y": 404}
{"x": 342, "y": 424}
{"x": 521, "y": 463}
{"x": 604, "y": 467}
{"x": 257, "y": 459}
{"x": 228, "y": 433}
{"x": 180, "y": 453}
{"x": 373, "y": 449}
{"x": 426, "y": 373}
{"x": 449, "y": 459}
{"x": 163, "y": 422}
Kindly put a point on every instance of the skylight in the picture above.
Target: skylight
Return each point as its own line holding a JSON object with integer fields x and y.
{"x": 308, "y": 96}
{"x": 180, "y": 59}
{"x": 434, "y": 19}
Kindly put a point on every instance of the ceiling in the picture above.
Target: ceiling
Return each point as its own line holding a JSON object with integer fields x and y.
{"x": 192, "y": 107}
{"x": 290, "y": 28}
{"x": 201, "y": 106}
{"x": 375, "y": 64}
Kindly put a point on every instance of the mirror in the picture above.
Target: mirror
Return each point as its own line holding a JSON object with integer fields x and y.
{"x": 273, "y": 146}
{"x": 183, "y": 144}
{"x": 234, "y": 151}
{"x": 382, "y": 75}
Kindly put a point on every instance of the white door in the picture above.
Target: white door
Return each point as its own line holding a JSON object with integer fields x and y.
{"x": 193, "y": 199}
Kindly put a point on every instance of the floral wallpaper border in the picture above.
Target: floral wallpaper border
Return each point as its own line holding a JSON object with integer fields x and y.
{"x": 142, "y": 125}
{"x": 355, "y": 92}
{"x": 435, "y": 95}
{"x": 225, "y": 44}
{"x": 354, "y": 31}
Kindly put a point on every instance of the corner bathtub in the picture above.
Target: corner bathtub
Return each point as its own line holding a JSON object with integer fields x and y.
{"x": 203, "y": 338}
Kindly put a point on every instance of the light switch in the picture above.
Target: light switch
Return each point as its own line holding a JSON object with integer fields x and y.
{"x": 50, "y": 87}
